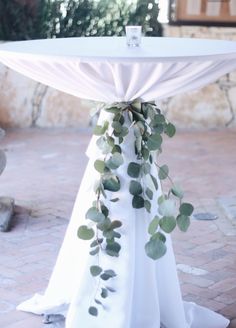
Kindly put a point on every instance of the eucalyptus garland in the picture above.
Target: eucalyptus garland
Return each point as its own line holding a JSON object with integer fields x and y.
{"x": 149, "y": 126}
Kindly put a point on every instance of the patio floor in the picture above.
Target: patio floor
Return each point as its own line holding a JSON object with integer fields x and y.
{"x": 43, "y": 174}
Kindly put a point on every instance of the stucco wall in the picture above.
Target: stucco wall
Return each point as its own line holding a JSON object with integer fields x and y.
{"x": 25, "y": 103}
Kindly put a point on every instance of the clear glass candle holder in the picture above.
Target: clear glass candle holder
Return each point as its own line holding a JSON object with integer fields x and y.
{"x": 133, "y": 35}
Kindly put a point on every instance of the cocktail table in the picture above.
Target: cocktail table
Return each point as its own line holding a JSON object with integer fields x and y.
{"x": 106, "y": 70}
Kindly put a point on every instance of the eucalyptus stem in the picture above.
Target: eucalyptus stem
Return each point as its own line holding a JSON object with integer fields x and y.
{"x": 149, "y": 126}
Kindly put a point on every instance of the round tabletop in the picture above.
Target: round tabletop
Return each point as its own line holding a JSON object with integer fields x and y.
{"x": 106, "y": 69}
{"x": 152, "y": 49}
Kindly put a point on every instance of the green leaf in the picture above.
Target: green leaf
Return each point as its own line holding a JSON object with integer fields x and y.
{"x": 99, "y": 165}
{"x": 112, "y": 290}
{"x": 177, "y": 191}
{"x": 116, "y": 149}
{"x": 137, "y": 131}
{"x": 138, "y": 144}
{"x": 133, "y": 169}
{"x": 117, "y": 126}
{"x": 170, "y": 130}
{"x": 116, "y": 234}
{"x": 111, "y": 183}
{"x": 115, "y": 224}
{"x": 145, "y": 110}
{"x": 96, "y": 242}
{"x": 159, "y": 118}
{"x": 85, "y": 233}
{"x": 137, "y": 202}
{"x": 115, "y": 161}
{"x": 110, "y": 141}
{"x": 151, "y": 112}
{"x": 147, "y": 205}
{"x": 146, "y": 168}
{"x": 154, "y": 141}
{"x": 136, "y": 105}
{"x": 141, "y": 126}
{"x": 93, "y": 311}
{"x": 163, "y": 172}
{"x": 120, "y": 140}
{"x": 153, "y": 225}
{"x": 167, "y": 223}
{"x": 109, "y": 234}
{"x": 158, "y": 128}
{"x": 114, "y": 110}
{"x": 150, "y": 158}
{"x": 94, "y": 215}
{"x": 103, "y": 145}
{"x": 98, "y": 130}
{"x": 113, "y": 249}
{"x": 161, "y": 199}
{"x": 110, "y": 273}
{"x": 186, "y": 209}
{"x": 104, "y": 293}
{"x": 145, "y": 153}
{"x": 101, "y": 129}
{"x": 97, "y": 301}
{"x": 124, "y": 131}
{"x": 149, "y": 193}
{"x": 94, "y": 251}
{"x": 159, "y": 235}
{"x": 155, "y": 248}
{"x": 183, "y": 222}
{"x": 95, "y": 270}
{"x": 104, "y": 225}
{"x": 135, "y": 187}
{"x": 167, "y": 207}
{"x": 104, "y": 210}
{"x": 154, "y": 180}
{"x": 114, "y": 200}
{"x": 119, "y": 118}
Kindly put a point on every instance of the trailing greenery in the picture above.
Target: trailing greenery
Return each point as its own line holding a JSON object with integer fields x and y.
{"x": 149, "y": 126}
{"x": 31, "y": 19}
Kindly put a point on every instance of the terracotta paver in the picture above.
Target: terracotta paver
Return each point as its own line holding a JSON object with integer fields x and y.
{"x": 43, "y": 174}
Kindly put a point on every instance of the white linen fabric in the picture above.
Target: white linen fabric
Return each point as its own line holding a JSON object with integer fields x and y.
{"x": 105, "y": 69}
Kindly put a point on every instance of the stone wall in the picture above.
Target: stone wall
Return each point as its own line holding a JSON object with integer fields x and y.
{"x": 25, "y": 103}
{"x": 213, "y": 106}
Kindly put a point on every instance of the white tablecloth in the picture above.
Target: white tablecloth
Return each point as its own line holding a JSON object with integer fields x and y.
{"x": 105, "y": 69}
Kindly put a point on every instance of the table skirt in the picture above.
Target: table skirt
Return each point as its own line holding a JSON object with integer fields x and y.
{"x": 147, "y": 292}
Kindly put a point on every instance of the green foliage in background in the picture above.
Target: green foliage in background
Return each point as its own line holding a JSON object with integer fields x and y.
{"x": 40, "y": 19}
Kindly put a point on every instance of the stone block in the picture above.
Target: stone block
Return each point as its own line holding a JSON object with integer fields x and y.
{"x": 60, "y": 109}
{"x": 206, "y": 108}
{"x": 16, "y": 98}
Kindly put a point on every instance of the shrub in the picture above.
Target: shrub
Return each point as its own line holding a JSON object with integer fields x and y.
{"x": 39, "y": 19}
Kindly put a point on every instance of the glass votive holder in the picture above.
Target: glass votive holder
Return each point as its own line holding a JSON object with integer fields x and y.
{"x": 133, "y": 35}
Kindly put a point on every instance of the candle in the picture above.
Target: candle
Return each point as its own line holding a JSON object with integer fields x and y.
{"x": 133, "y": 35}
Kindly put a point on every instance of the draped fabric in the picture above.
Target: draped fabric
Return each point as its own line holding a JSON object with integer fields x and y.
{"x": 105, "y": 69}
